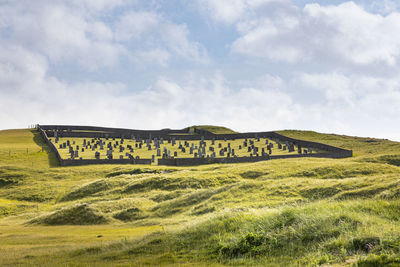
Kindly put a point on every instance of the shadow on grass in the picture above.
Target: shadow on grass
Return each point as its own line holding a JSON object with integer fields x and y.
{"x": 38, "y": 139}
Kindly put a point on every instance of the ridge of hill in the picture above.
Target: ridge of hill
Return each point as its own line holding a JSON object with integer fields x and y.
{"x": 214, "y": 129}
{"x": 309, "y": 211}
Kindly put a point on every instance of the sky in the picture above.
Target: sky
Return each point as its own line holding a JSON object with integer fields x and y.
{"x": 250, "y": 65}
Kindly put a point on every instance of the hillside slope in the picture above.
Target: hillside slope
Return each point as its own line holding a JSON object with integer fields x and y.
{"x": 294, "y": 211}
{"x": 213, "y": 129}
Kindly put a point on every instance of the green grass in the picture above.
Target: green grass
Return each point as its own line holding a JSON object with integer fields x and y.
{"x": 309, "y": 211}
{"x": 81, "y": 214}
{"x": 213, "y": 129}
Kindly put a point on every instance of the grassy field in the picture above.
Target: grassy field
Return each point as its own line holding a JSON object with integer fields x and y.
{"x": 282, "y": 212}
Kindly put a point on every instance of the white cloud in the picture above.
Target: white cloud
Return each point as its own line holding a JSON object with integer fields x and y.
{"x": 99, "y": 5}
{"x": 353, "y": 104}
{"x": 227, "y": 11}
{"x": 336, "y": 87}
{"x": 156, "y": 35}
{"x": 41, "y": 98}
{"x": 81, "y": 32}
{"x": 210, "y": 100}
{"x": 232, "y": 11}
{"x": 158, "y": 56}
{"x": 61, "y": 31}
{"x": 133, "y": 24}
{"x": 342, "y": 33}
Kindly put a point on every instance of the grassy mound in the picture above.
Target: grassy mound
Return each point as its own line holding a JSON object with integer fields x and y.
{"x": 388, "y": 159}
{"x": 318, "y": 234}
{"x": 86, "y": 190}
{"x": 80, "y": 214}
{"x": 214, "y": 129}
{"x": 131, "y": 172}
{"x": 131, "y": 214}
{"x": 339, "y": 171}
{"x": 183, "y": 203}
{"x": 174, "y": 182}
{"x": 11, "y": 175}
{"x": 253, "y": 174}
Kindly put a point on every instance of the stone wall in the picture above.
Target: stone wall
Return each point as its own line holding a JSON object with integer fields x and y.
{"x": 202, "y": 161}
{"x": 103, "y": 132}
{"x": 80, "y": 162}
{"x": 89, "y": 131}
{"x": 50, "y": 144}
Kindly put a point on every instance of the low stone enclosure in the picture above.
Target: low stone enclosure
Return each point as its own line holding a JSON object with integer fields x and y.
{"x": 231, "y": 148}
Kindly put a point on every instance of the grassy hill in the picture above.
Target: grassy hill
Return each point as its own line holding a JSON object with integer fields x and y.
{"x": 213, "y": 129}
{"x": 306, "y": 211}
